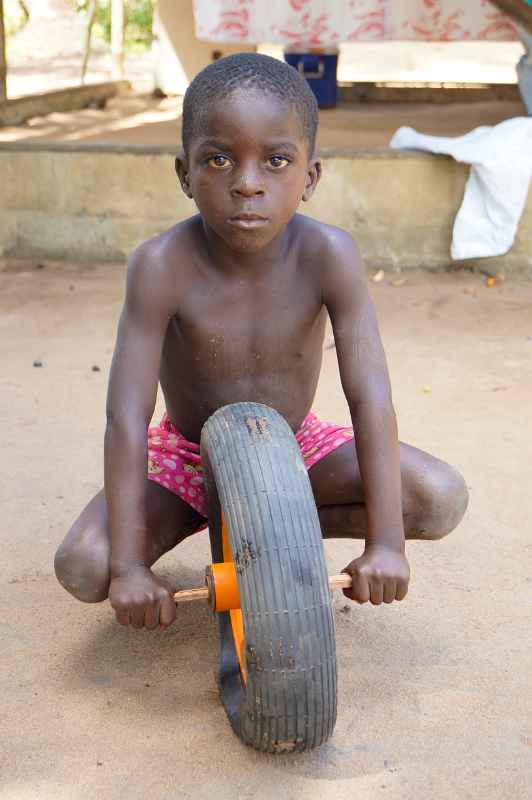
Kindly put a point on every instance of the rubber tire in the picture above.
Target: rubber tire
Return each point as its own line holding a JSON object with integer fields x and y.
{"x": 255, "y": 475}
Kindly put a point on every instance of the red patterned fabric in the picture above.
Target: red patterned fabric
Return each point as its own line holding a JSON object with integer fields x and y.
{"x": 175, "y": 463}
{"x": 325, "y": 23}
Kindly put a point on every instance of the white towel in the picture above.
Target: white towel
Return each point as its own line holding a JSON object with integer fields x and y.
{"x": 497, "y": 188}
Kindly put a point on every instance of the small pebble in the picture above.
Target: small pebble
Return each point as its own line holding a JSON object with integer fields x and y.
{"x": 95, "y": 368}
{"x": 99, "y": 763}
{"x": 71, "y": 287}
{"x": 37, "y": 363}
{"x": 39, "y": 266}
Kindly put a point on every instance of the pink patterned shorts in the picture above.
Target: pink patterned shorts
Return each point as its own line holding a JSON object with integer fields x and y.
{"x": 175, "y": 463}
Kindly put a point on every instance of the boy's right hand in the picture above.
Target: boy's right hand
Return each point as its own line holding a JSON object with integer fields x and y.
{"x": 140, "y": 599}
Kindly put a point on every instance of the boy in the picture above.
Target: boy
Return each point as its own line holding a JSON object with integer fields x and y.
{"x": 230, "y": 306}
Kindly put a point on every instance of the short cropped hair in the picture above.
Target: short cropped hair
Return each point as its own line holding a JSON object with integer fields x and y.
{"x": 248, "y": 71}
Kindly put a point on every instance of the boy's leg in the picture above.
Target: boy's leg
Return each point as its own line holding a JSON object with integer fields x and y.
{"x": 82, "y": 560}
{"x": 435, "y": 495}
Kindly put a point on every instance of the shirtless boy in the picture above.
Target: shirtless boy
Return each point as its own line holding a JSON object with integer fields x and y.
{"x": 230, "y": 306}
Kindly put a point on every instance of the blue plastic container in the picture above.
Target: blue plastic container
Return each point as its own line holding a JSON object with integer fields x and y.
{"x": 319, "y": 69}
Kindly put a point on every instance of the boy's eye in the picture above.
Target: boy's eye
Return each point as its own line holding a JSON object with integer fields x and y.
{"x": 218, "y": 161}
{"x": 277, "y": 161}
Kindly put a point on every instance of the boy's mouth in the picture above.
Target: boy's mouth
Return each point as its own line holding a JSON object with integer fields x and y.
{"x": 248, "y": 220}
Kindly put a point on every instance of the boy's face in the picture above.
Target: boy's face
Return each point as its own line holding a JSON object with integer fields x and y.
{"x": 248, "y": 169}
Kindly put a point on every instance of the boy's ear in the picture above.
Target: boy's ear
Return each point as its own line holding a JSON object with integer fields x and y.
{"x": 313, "y": 176}
{"x": 181, "y": 168}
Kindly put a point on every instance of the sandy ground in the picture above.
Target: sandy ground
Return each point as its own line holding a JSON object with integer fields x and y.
{"x": 434, "y": 697}
{"x": 47, "y": 54}
{"x": 137, "y": 119}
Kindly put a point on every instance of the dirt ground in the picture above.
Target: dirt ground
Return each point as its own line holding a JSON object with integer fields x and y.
{"x": 47, "y": 53}
{"x": 434, "y": 697}
{"x": 137, "y": 119}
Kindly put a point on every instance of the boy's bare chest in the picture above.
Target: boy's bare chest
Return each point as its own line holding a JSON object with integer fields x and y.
{"x": 238, "y": 330}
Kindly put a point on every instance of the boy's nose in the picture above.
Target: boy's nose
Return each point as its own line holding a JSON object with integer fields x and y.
{"x": 247, "y": 184}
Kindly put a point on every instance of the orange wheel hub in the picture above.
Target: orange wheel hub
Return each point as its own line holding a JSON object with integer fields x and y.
{"x": 225, "y": 596}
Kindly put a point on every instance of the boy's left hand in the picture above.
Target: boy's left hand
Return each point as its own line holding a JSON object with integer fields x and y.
{"x": 380, "y": 575}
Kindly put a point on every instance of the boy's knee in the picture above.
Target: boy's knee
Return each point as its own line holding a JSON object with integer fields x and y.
{"x": 442, "y": 502}
{"x": 82, "y": 568}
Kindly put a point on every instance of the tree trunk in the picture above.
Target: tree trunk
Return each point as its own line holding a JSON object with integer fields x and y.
{"x": 518, "y": 10}
{"x": 117, "y": 38}
{"x": 88, "y": 36}
{"x": 3, "y": 64}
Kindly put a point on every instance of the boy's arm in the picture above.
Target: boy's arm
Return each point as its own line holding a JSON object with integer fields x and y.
{"x": 137, "y": 596}
{"x": 382, "y": 572}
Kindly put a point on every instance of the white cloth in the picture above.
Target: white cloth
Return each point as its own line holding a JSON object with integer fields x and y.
{"x": 324, "y": 23}
{"x": 497, "y": 188}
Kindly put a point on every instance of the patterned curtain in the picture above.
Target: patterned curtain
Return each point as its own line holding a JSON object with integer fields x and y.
{"x": 322, "y": 23}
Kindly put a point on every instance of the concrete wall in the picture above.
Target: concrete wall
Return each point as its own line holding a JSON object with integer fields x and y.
{"x": 93, "y": 204}
{"x": 180, "y": 56}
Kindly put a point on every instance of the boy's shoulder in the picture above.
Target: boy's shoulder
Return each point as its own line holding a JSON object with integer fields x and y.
{"x": 329, "y": 247}
{"x": 158, "y": 268}
{"x": 169, "y": 249}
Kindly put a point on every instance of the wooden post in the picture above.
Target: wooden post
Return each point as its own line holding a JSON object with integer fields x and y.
{"x": 117, "y": 38}
{"x": 3, "y": 62}
{"x": 518, "y": 10}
